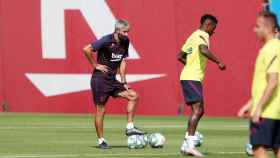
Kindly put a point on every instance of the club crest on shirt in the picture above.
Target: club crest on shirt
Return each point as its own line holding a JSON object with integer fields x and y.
{"x": 112, "y": 45}
{"x": 189, "y": 50}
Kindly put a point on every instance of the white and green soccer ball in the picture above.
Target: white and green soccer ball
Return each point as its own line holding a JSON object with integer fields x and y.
{"x": 156, "y": 140}
{"x": 198, "y": 139}
{"x": 137, "y": 141}
{"x": 249, "y": 149}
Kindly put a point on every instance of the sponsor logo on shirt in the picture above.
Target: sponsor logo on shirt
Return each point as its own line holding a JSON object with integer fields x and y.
{"x": 116, "y": 57}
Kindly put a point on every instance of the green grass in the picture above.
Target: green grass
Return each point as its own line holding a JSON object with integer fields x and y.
{"x": 58, "y": 135}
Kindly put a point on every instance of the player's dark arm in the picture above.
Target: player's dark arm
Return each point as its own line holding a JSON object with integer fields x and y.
{"x": 245, "y": 109}
{"x": 122, "y": 71}
{"x": 87, "y": 51}
{"x": 272, "y": 83}
{"x": 207, "y": 53}
{"x": 181, "y": 57}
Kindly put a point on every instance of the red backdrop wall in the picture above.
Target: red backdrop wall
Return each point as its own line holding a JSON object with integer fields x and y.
{"x": 159, "y": 28}
{"x": 1, "y": 59}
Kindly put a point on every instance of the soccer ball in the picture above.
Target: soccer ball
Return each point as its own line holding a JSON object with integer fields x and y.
{"x": 249, "y": 149}
{"x": 137, "y": 141}
{"x": 156, "y": 140}
{"x": 199, "y": 139}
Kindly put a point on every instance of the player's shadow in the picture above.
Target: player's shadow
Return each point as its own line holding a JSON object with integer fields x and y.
{"x": 112, "y": 146}
{"x": 206, "y": 153}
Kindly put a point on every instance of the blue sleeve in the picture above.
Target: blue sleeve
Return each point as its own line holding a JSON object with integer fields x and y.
{"x": 96, "y": 45}
{"x": 126, "y": 50}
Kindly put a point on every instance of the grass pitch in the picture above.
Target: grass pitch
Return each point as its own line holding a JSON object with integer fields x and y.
{"x": 73, "y": 136}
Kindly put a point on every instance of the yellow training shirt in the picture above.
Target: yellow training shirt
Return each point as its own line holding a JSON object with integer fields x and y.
{"x": 195, "y": 61}
{"x": 268, "y": 61}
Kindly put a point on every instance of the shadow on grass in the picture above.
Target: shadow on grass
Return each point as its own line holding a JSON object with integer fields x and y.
{"x": 112, "y": 147}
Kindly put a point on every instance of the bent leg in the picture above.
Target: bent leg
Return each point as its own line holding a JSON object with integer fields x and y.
{"x": 197, "y": 111}
{"x": 133, "y": 99}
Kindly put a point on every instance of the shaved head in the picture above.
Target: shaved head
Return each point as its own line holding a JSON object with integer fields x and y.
{"x": 266, "y": 25}
{"x": 270, "y": 19}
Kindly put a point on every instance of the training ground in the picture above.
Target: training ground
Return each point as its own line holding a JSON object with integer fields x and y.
{"x": 73, "y": 136}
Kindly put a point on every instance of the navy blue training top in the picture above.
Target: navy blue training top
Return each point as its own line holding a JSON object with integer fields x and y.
{"x": 110, "y": 53}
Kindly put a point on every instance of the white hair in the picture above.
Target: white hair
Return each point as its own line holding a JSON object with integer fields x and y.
{"x": 120, "y": 23}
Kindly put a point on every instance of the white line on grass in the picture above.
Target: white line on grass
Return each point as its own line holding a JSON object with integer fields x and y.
{"x": 161, "y": 154}
{"x": 39, "y": 155}
{"x": 116, "y": 127}
{"x": 117, "y": 154}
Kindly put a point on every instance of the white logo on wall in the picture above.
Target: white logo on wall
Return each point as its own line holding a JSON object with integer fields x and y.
{"x": 100, "y": 20}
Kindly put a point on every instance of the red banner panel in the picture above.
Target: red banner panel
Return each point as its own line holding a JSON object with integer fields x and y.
{"x": 44, "y": 68}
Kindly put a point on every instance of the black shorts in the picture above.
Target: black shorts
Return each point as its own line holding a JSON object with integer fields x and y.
{"x": 103, "y": 87}
{"x": 192, "y": 91}
{"x": 265, "y": 133}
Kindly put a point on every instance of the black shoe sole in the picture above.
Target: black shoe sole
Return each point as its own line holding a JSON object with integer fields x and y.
{"x": 130, "y": 134}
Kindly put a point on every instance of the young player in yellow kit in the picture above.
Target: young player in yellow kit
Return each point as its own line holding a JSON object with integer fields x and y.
{"x": 264, "y": 105}
{"x": 194, "y": 55}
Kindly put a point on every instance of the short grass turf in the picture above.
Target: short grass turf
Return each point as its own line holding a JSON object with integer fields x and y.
{"x": 65, "y": 135}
